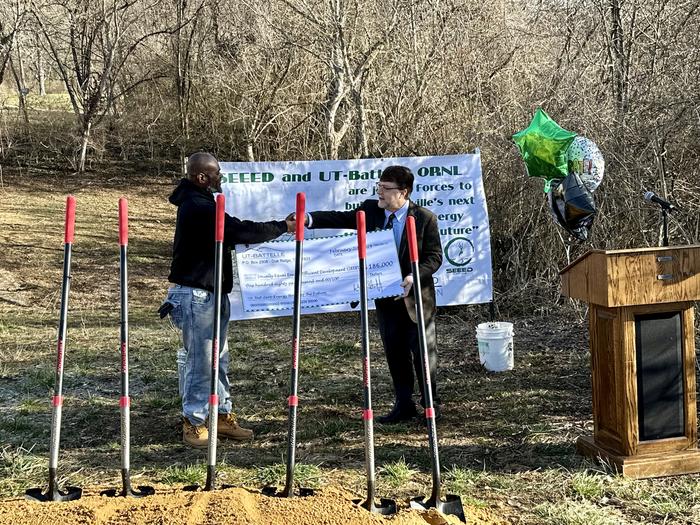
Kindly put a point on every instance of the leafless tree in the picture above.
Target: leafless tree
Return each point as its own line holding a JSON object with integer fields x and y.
{"x": 93, "y": 45}
{"x": 346, "y": 37}
{"x": 13, "y": 15}
{"x": 186, "y": 42}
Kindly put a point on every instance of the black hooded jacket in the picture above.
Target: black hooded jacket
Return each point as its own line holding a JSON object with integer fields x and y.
{"x": 193, "y": 247}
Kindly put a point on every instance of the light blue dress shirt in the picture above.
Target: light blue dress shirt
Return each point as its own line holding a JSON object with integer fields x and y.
{"x": 399, "y": 222}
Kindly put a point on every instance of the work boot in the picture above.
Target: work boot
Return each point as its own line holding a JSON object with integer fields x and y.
{"x": 197, "y": 436}
{"x": 229, "y": 428}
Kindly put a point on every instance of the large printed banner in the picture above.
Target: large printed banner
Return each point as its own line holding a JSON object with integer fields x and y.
{"x": 449, "y": 186}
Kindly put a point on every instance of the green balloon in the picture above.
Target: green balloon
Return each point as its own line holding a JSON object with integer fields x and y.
{"x": 543, "y": 146}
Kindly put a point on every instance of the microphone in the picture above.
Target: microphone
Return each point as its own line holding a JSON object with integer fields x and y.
{"x": 652, "y": 197}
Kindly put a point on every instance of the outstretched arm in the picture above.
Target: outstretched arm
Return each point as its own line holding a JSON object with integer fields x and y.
{"x": 237, "y": 231}
{"x": 340, "y": 220}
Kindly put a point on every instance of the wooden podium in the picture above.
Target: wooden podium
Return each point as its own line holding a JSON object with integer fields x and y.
{"x": 642, "y": 340}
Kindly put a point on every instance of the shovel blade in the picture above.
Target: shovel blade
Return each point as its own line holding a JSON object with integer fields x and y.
{"x": 452, "y": 505}
{"x": 140, "y": 492}
{"x": 273, "y": 492}
{"x": 69, "y": 494}
{"x": 386, "y": 506}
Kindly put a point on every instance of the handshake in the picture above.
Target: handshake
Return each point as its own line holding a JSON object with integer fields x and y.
{"x": 291, "y": 221}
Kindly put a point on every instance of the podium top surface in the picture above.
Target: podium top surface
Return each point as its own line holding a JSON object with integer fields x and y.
{"x": 634, "y": 276}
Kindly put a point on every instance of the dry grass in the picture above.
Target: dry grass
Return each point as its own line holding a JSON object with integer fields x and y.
{"x": 507, "y": 440}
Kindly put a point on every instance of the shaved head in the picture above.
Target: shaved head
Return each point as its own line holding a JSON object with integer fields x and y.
{"x": 199, "y": 162}
{"x": 203, "y": 169}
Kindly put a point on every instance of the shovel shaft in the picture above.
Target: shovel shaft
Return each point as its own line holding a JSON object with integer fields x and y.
{"x": 216, "y": 341}
{"x": 367, "y": 415}
{"x": 124, "y": 410}
{"x": 124, "y": 401}
{"x": 55, "y": 433}
{"x": 425, "y": 363}
{"x": 293, "y": 399}
{"x": 57, "y": 400}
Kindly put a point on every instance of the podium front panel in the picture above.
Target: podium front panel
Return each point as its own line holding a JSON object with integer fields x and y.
{"x": 660, "y": 395}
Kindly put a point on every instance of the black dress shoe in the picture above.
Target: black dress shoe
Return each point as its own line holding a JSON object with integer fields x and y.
{"x": 404, "y": 412}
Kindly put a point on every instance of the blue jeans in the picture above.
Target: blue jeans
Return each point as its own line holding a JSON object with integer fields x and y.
{"x": 193, "y": 314}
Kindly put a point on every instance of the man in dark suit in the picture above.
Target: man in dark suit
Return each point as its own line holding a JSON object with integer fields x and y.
{"x": 398, "y": 330}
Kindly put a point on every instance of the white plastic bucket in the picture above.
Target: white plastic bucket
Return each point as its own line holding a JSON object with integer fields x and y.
{"x": 180, "y": 359}
{"x": 495, "y": 341}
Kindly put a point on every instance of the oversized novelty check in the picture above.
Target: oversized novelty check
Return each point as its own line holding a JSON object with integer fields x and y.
{"x": 330, "y": 273}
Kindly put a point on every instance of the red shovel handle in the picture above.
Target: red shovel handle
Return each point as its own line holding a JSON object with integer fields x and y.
{"x": 123, "y": 222}
{"x": 220, "y": 211}
{"x": 361, "y": 235}
{"x": 411, "y": 234}
{"x": 300, "y": 215}
{"x": 70, "y": 219}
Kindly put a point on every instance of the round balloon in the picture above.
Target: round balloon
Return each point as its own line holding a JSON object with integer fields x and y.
{"x": 586, "y": 160}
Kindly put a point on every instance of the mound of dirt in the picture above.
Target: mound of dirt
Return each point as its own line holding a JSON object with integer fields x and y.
{"x": 235, "y": 506}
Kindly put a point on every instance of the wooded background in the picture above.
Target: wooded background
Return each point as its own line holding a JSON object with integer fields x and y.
{"x": 86, "y": 84}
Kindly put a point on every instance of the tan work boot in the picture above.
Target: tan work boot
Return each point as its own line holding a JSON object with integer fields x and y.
{"x": 229, "y": 428}
{"x": 193, "y": 435}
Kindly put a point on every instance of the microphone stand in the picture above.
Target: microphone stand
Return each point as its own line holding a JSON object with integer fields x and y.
{"x": 664, "y": 227}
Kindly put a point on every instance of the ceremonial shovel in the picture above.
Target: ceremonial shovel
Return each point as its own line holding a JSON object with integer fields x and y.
{"x": 293, "y": 399}
{"x": 216, "y": 337}
{"x": 452, "y": 504}
{"x": 53, "y": 493}
{"x": 124, "y": 400}
{"x": 386, "y": 506}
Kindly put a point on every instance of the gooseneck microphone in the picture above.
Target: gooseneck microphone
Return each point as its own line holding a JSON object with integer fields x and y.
{"x": 652, "y": 197}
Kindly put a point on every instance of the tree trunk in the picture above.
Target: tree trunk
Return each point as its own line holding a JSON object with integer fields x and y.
{"x": 249, "y": 152}
{"x": 182, "y": 73}
{"x": 619, "y": 59}
{"x": 22, "y": 76}
{"x": 21, "y": 93}
{"x": 83, "y": 149}
{"x": 40, "y": 72}
{"x": 336, "y": 94}
{"x": 361, "y": 147}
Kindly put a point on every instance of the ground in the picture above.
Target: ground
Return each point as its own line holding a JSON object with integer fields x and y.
{"x": 507, "y": 440}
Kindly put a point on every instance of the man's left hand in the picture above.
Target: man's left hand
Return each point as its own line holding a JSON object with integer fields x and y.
{"x": 407, "y": 284}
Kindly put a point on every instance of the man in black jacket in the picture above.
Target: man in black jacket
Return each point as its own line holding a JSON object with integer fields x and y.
{"x": 398, "y": 331}
{"x": 192, "y": 297}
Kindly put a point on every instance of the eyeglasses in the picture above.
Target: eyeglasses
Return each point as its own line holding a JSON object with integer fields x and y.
{"x": 384, "y": 187}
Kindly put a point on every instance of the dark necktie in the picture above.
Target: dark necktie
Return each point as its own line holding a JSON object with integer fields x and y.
{"x": 390, "y": 222}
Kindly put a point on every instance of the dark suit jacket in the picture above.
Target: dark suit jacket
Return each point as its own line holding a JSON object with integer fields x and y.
{"x": 427, "y": 235}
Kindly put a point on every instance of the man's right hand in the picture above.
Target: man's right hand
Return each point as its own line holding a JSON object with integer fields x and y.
{"x": 291, "y": 223}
